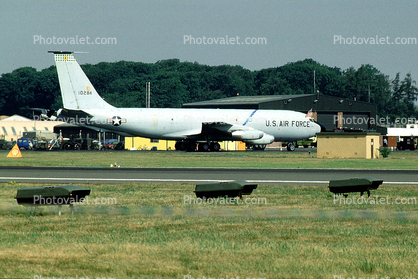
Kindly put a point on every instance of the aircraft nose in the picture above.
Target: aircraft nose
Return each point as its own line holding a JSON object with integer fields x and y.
{"x": 319, "y": 127}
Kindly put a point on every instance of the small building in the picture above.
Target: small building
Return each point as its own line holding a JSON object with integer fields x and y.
{"x": 409, "y": 130}
{"x": 398, "y": 137}
{"x": 348, "y": 145}
{"x": 138, "y": 143}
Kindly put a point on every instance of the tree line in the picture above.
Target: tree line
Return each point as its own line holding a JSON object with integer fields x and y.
{"x": 174, "y": 83}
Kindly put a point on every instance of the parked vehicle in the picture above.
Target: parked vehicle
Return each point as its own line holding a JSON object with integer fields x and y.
{"x": 40, "y": 144}
{"x": 69, "y": 144}
{"x": 54, "y": 144}
{"x": 24, "y": 143}
{"x": 407, "y": 143}
{"x": 110, "y": 143}
{"x": 5, "y": 144}
{"x": 307, "y": 143}
{"x": 97, "y": 145}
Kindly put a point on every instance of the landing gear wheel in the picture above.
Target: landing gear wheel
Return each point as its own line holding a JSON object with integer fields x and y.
{"x": 290, "y": 146}
{"x": 215, "y": 146}
{"x": 204, "y": 147}
{"x": 191, "y": 146}
{"x": 180, "y": 145}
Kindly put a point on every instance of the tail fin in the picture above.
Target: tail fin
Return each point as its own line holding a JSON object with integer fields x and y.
{"x": 76, "y": 89}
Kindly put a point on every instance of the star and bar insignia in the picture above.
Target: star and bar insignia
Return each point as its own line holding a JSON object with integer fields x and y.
{"x": 116, "y": 120}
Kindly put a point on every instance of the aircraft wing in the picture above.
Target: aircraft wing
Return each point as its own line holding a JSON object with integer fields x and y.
{"x": 107, "y": 130}
{"x": 213, "y": 129}
{"x": 223, "y": 131}
{"x": 235, "y": 132}
{"x": 184, "y": 134}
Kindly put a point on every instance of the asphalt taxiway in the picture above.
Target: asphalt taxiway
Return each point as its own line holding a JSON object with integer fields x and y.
{"x": 195, "y": 175}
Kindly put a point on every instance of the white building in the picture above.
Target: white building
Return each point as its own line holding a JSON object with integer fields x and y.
{"x": 13, "y": 127}
{"x": 410, "y": 130}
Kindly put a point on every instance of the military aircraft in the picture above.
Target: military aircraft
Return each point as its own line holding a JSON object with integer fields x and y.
{"x": 191, "y": 128}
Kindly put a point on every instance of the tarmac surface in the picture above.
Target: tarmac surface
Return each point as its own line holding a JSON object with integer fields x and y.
{"x": 195, "y": 175}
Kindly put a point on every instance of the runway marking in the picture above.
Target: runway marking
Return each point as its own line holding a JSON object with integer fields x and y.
{"x": 185, "y": 180}
{"x": 154, "y": 180}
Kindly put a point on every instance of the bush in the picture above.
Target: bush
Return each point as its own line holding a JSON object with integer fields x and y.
{"x": 384, "y": 152}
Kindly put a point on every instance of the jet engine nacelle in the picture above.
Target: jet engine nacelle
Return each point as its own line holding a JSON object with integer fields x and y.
{"x": 247, "y": 135}
{"x": 265, "y": 139}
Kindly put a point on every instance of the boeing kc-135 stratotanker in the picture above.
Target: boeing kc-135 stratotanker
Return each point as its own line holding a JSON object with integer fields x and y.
{"x": 189, "y": 127}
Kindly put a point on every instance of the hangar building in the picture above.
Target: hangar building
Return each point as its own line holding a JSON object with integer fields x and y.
{"x": 332, "y": 112}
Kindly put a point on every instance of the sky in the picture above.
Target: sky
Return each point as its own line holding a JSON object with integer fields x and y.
{"x": 253, "y": 34}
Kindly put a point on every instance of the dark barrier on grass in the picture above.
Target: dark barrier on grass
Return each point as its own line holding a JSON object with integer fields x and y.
{"x": 343, "y": 186}
{"x": 51, "y": 195}
{"x": 224, "y": 189}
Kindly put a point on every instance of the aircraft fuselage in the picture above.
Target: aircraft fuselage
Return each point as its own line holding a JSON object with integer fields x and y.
{"x": 177, "y": 124}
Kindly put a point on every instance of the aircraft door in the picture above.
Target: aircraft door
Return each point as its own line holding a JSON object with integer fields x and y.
{"x": 236, "y": 119}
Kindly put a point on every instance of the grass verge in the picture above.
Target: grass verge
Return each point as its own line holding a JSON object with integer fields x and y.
{"x": 159, "y": 231}
{"x": 248, "y": 159}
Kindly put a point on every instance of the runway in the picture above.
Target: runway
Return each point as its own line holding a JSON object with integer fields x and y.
{"x": 195, "y": 175}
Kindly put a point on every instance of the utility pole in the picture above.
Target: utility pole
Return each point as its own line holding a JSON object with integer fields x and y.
{"x": 148, "y": 95}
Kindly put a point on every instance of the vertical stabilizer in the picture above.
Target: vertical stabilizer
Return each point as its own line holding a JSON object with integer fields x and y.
{"x": 76, "y": 89}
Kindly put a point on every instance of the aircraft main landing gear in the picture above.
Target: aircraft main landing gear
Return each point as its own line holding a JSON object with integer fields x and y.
{"x": 201, "y": 146}
{"x": 212, "y": 146}
{"x": 185, "y": 146}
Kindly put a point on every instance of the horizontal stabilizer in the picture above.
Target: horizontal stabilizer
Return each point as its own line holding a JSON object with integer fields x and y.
{"x": 47, "y": 114}
{"x": 74, "y": 113}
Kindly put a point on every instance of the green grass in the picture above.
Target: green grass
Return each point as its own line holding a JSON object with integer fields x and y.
{"x": 152, "y": 233}
{"x": 396, "y": 160}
